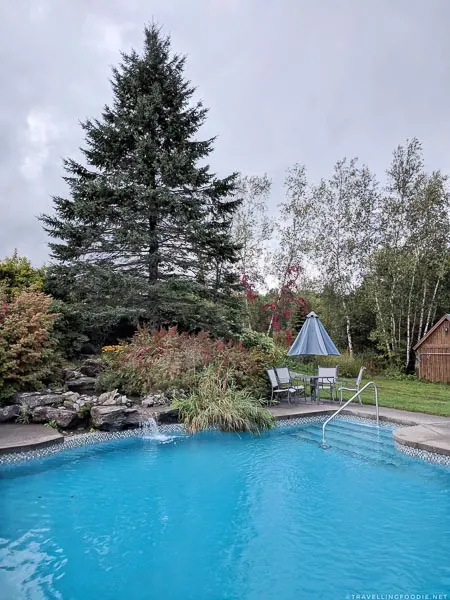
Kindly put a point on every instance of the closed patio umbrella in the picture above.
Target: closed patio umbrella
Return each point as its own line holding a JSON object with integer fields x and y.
{"x": 313, "y": 340}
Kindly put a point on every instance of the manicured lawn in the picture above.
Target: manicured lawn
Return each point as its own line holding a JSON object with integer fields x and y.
{"x": 409, "y": 394}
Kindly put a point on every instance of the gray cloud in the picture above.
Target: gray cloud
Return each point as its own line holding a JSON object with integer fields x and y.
{"x": 286, "y": 81}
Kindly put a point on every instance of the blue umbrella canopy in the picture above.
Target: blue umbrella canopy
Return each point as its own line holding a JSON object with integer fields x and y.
{"x": 313, "y": 339}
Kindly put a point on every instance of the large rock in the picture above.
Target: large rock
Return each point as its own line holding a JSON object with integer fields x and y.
{"x": 113, "y": 418}
{"x": 71, "y": 396}
{"x": 63, "y": 417}
{"x": 82, "y": 385}
{"x": 92, "y": 367}
{"x": 44, "y": 414}
{"x": 66, "y": 418}
{"x": 109, "y": 418}
{"x": 70, "y": 373}
{"x": 137, "y": 415}
{"x": 9, "y": 413}
{"x": 110, "y": 398}
{"x": 166, "y": 414}
{"x": 154, "y": 400}
{"x": 33, "y": 399}
{"x": 86, "y": 399}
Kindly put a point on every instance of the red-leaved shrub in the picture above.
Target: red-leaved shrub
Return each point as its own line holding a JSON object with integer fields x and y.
{"x": 162, "y": 359}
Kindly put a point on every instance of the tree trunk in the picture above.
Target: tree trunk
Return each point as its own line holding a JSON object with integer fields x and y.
{"x": 218, "y": 278}
{"x": 430, "y": 307}
{"x": 422, "y": 310}
{"x": 408, "y": 322}
{"x": 392, "y": 316}
{"x": 153, "y": 246}
{"x": 413, "y": 328}
{"x": 348, "y": 328}
{"x": 247, "y": 310}
{"x": 383, "y": 328}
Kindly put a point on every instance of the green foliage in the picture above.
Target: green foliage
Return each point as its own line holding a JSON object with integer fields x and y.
{"x": 53, "y": 424}
{"x": 217, "y": 402}
{"x": 70, "y": 328}
{"x": 17, "y": 274}
{"x": 117, "y": 378}
{"x": 349, "y": 366}
{"x": 145, "y": 236}
{"x": 27, "y": 344}
{"x": 255, "y": 339}
{"x": 85, "y": 411}
{"x": 24, "y": 414}
{"x": 397, "y": 374}
{"x": 191, "y": 306}
{"x": 407, "y": 271}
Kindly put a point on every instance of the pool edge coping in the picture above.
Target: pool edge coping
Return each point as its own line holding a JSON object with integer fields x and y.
{"x": 94, "y": 438}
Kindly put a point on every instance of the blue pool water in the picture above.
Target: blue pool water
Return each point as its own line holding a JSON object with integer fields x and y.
{"x": 221, "y": 516}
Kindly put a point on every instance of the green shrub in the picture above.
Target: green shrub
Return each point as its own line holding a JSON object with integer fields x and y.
{"x": 24, "y": 414}
{"x": 113, "y": 379}
{"x": 17, "y": 274}
{"x": 70, "y": 329}
{"x": 255, "y": 339}
{"x": 27, "y": 345}
{"x": 217, "y": 402}
{"x": 348, "y": 366}
{"x": 398, "y": 374}
{"x": 85, "y": 411}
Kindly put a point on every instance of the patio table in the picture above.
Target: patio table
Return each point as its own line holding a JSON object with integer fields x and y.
{"x": 313, "y": 384}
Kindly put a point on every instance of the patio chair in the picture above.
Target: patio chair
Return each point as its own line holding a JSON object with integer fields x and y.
{"x": 355, "y": 389}
{"x": 285, "y": 379}
{"x": 278, "y": 388}
{"x": 327, "y": 380}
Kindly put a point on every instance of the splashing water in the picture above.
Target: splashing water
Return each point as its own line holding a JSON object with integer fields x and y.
{"x": 150, "y": 431}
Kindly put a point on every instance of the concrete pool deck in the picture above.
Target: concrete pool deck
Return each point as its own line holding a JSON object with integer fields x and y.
{"x": 422, "y": 431}
{"x": 432, "y": 437}
{"x": 20, "y": 438}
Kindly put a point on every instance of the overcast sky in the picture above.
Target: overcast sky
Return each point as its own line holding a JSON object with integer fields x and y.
{"x": 286, "y": 81}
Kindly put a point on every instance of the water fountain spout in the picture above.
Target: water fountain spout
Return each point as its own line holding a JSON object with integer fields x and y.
{"x": 150, "y": 430}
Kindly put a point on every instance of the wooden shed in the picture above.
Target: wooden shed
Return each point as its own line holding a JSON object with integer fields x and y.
{"x": 433, "y": 352}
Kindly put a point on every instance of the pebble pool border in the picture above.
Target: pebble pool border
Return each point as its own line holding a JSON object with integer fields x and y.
{"x": 431, "y": 457}
{"x": 100, "y": 437}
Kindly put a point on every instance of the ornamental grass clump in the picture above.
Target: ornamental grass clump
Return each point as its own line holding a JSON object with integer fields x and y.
{"x": 217, "y": 403}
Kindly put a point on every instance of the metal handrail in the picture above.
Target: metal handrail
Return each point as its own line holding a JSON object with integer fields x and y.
{"x": 347, "y": 403}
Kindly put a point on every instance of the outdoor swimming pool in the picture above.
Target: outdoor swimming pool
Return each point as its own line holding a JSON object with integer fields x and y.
{"x": 221, "y": 516}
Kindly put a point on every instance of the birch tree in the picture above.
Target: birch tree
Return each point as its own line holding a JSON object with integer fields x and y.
{"x": 408, "y": 268}
{"x": 293, "y": 231}
{"x": 251, "y": 226}
{"x": 344, "y": 225}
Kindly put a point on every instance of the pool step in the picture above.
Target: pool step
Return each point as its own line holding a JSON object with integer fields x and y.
{"x": 351, "y": 442}
{"x": 363, "y": 436}
{"x": 359, "y": 446}
{"x": 366, "y": 442}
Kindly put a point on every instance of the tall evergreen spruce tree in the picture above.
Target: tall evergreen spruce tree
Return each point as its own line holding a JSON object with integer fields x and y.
{"x": 146, "y": 231}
